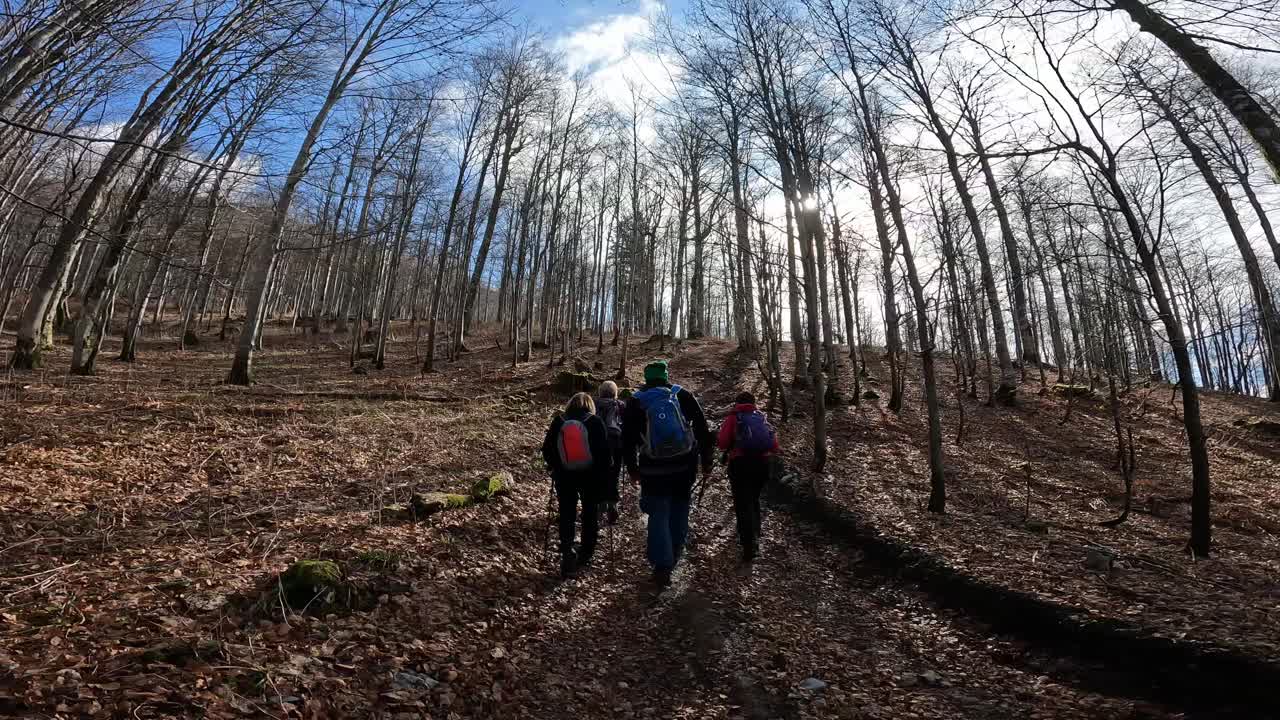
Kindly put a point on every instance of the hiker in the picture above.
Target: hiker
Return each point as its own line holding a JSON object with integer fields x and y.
{"x": 664, "y": 435}
{"x": 577, "y": 452}
{"x": 750, "y": 440}
{"x": 611, "y": 409}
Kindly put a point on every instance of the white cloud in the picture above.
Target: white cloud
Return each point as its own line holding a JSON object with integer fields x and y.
{"x": 613, "y": 51}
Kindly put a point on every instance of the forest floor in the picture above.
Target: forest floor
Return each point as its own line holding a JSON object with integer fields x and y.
{"x": 142, "y": 510}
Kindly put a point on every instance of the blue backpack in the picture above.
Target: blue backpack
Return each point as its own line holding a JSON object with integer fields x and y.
{"x": 667, "y": 435}
{"x": 753, "y": 435}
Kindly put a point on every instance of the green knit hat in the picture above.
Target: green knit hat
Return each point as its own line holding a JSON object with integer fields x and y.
{"x": 655, "y": 371}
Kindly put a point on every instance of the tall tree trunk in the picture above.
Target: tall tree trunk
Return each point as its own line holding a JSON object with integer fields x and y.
{"x": 793, "y": 302}
{"x": 1046, "y": 287}
{"x": 1261, "y": 293}
{"x": 509, "y": 150}
{"x": 468, "y": 239}
{"x": 437, "y": 287}
{"x": 1246, "y": 109}
{"x": 1021, "y": 317}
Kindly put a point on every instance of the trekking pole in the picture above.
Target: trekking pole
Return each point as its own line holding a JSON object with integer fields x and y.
{"x": 702, "y": 489}
{"x": 551, "y": 501}
{"x": 604, "y": 512}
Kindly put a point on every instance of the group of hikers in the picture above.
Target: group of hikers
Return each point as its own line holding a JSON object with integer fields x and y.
{"x": 661, "y": 436}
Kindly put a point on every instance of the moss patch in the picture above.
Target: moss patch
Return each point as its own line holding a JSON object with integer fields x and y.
{"x": 495, "y": 484}
{"x": 309, "y": 584}
{"x": 1077, "y": 391}
{"x": 425, "y": 505}
{"x": 568, "y": 383}
{"x": 320, "y": 587}
{"x": 379, "y": 559}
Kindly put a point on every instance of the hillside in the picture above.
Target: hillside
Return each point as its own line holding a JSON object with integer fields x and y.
{"x": 147, "y": 513}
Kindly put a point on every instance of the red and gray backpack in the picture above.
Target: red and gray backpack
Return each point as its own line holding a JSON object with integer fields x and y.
{"x": 574, "y": 445}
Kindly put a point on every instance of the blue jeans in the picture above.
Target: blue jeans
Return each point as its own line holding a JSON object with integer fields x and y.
{"x": 668, "y": 528}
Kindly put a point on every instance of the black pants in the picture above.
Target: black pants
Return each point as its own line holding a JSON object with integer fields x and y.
{"x": 569, "y": 495}
{"x": 747, "y": 477}
{"x": 610, "y": 494}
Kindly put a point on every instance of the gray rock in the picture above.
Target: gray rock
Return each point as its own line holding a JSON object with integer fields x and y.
{"x": 409, "y": 680}
{"x": 931, "y": 678}
{"x": 205, "y": 601}
{"x": 813, "y": 684}
{"x": 1099, "y": 560}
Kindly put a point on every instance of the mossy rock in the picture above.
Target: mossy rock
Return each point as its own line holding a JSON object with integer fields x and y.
{"x": 321, "y": 587}
{"x": 308, "y": 583}
{"x": 398, "y": 512}
{"x": 568, "y": 383}
{"x": 428, "y": 504}
{"x": 1075, "y": 391}
{"x": 495, "y": 484}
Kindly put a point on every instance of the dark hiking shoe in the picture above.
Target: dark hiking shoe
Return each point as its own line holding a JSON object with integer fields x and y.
{"x": 662, "y": 577}
{"x": 568, "y": 566}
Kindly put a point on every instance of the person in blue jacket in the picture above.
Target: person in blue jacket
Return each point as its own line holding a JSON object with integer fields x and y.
{"x": 665, "y": 439}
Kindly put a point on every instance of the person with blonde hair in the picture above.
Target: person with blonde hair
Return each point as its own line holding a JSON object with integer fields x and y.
{"x": 610, "y": 409}
{"x": 576, "y": 450}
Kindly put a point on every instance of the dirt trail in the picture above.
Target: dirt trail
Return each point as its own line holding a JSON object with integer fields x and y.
{"x": 730, "y": 640}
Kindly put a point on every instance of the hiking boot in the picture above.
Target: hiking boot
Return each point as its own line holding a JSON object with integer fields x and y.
{"x": 662, "y": 577}
{"x": 568, "y": 566}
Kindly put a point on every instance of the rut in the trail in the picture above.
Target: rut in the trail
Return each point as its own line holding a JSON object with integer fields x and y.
{"x": 738, "y": 641}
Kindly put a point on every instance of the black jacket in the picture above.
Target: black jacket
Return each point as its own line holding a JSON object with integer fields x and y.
{"x": 597, "y": 439}
{"x": 661, "y": 477}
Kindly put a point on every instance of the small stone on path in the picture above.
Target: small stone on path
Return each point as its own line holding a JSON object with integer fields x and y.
{"x": 408, "y": 680}
{"x": 812, "y": 684}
